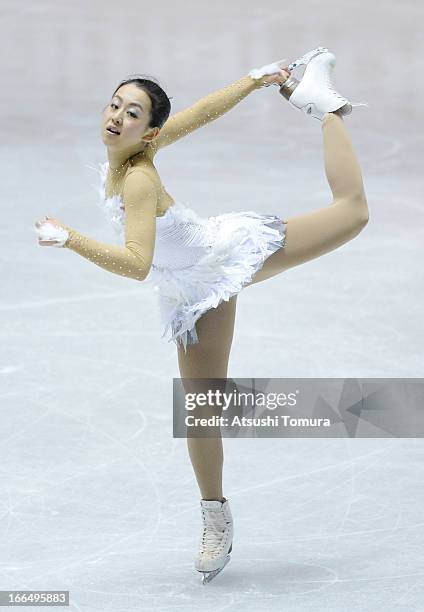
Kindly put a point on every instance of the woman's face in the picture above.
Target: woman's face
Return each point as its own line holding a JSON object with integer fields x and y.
{"x": 126, "y": 118}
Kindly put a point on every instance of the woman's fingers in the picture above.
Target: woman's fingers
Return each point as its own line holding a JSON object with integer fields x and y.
{"x": 282, "y": 62}
{"x": 43, "y": 239}
{"x": 283, "y": 76}
{"x": 284, "y": 66}
{"x": 47, "y": 242}
{"x": 40, "y": 223}
{"x": 276, "y": 79}
{"x": 47, "y": 219}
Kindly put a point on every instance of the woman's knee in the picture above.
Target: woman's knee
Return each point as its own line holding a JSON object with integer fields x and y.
{"x": 362, "y": 215}
{"x": 356, "y": 209}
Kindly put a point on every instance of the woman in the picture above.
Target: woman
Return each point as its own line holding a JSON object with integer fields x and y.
{"x": 200, "y": 265}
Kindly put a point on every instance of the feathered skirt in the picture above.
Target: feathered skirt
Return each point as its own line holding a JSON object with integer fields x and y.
{"x": 235, "y": 247}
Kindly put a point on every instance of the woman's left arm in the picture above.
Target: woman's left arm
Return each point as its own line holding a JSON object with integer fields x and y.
{"x": 214, "y": 105}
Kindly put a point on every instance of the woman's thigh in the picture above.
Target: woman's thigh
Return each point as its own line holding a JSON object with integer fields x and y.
{"x": 209, "y": 357}
{"x": 313, "y": 234}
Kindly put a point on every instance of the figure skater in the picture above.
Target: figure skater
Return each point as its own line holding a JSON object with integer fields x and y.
{"x": 200, "y": 265}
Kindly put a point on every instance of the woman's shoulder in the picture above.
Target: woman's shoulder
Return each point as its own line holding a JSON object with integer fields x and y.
{"x": 144, "y": 173}
{"x": 143, "y": 167}
{"x": 143, "y": 160}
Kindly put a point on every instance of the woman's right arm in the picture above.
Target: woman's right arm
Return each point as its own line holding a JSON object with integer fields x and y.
{"x": 135, "y": 258}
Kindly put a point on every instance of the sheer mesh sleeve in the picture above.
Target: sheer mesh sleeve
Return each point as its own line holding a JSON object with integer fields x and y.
{"x": 205, "y": 110}
{"x": 135, "y": 258}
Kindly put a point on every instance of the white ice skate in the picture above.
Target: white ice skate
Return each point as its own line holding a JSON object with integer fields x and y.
{"x": 315, "y": 94}
{"x": 216, "y": 541}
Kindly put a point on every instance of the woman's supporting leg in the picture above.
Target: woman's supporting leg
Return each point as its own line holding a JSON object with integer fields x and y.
{"x": 313, "y": 234}
{"x": 209, "y": 359}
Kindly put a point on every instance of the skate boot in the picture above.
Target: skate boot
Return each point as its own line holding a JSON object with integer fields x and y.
{"x": 216, "y": 540}
{"x": 305, "y": 59}
{"x": 315, "y": 94}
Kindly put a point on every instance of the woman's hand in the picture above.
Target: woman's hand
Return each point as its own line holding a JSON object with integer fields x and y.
{"x": 276, "y": 73}
{"x": 276, "y": 79}
{"x": 51, "y": 232}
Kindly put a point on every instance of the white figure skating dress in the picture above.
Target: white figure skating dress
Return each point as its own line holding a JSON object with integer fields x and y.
{"x": 198, "y": 262}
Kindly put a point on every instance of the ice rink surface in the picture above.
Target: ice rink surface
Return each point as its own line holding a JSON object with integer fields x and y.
{"x": 97, "y": 497}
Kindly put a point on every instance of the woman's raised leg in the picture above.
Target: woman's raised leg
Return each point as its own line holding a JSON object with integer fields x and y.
{"x": 208, "y": 359}
{"x": 313, "y": 234}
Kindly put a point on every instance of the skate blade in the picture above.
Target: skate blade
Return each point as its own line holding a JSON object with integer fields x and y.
{"x": 305, "y": 59}
{"x": 208, "y": 576}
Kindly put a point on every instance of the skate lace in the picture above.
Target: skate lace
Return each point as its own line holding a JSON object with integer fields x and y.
{"x": 212, "y": 536}
{"x": 332, "y": 88}
{"x": 211, "y": 540}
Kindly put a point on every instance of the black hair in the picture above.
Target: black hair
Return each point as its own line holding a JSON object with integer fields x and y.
{"x": 161, "y": 106}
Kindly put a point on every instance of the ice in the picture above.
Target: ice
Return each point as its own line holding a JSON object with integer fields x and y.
{"x": 96, "y": 496}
